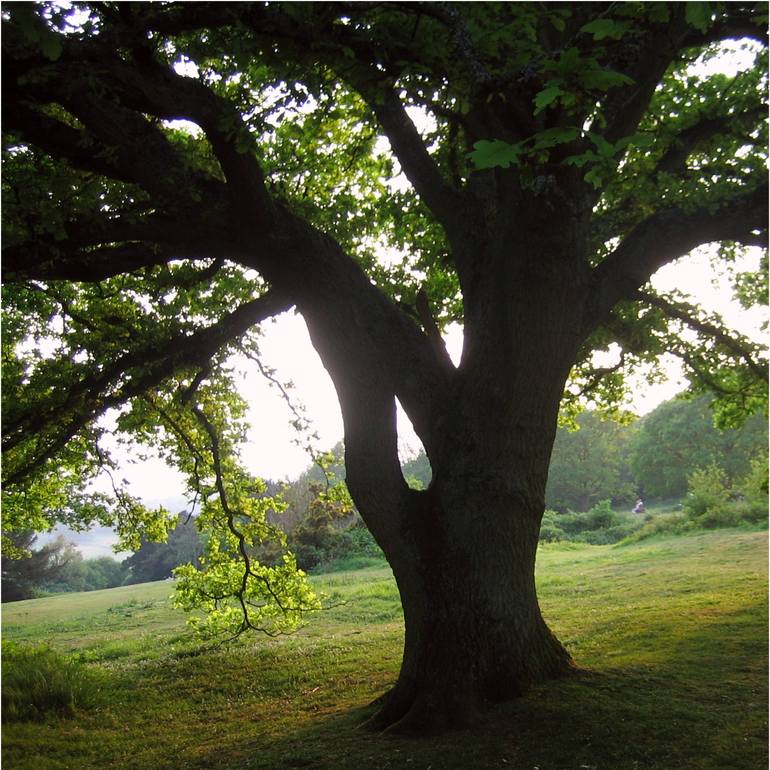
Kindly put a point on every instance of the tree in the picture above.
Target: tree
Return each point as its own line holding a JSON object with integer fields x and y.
{"x": 26, "y": 569}
{"x": 157, "y": 561}
{"x": 567, "y": 151}
{"x": 679, "y": 437}
{"x": 80, "y": 574}
{"x": 589, "y": 464}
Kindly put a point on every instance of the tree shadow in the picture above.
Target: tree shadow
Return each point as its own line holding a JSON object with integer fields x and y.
{"x": 702, "y": 704}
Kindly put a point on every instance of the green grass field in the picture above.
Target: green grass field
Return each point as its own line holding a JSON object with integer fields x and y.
{"x": 672, "y": 633}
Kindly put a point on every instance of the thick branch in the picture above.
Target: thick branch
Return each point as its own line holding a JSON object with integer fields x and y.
{"x": 146, "y": 367}
{"x": 450, "y": 17}
{"x": 684, "y": 143}
{"x": 99, "y": 248}
{"x": 646, "y": 62}
{"x": 431, "y": 330}
{"x": 420, "y": 169}
{"x": 670, "y": 234}
{"x": 151, "y": 87}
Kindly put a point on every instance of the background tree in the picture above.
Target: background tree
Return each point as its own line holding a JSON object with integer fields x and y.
{"x": 300, "y": 493}
{"x": 589, "y": 464}
{"x": 27, "y": 569}
{"x": 157, "y": 561}
{"x": 567, "y": 152}
{"x": 679, "y": 437}
{"x": 80, "y": 574}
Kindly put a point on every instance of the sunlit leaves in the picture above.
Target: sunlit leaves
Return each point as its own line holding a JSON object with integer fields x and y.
{"x": 203, "y": 432}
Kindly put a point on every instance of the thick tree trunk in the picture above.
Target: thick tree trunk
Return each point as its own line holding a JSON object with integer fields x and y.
{"x": 474, "y": 630}
{"x": 463, "y": 551}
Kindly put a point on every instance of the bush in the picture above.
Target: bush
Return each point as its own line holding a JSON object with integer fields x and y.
{"x": 713, "y": 503}
{"x": 551, "y": 533}
{"x": 676, "y": 523}
{"x": 609, "y": 535}
{"x": 335, "y": 545}
{"x": 38, "y": 681}
{"x": 601, "y": 516}
{"x": 752, "y": 492}
{"x": 599, "y": 526}
{"x": 709, "y": 495}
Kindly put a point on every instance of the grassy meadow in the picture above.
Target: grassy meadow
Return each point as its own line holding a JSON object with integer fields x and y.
{"x": 672, "y": 633}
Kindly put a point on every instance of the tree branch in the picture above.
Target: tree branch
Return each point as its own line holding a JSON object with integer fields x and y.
{"x": 418, "y": 166}
{"x": 669, "y": 234}
{"x": 140, "y": 370}
{"x": 685, "y": 143}
{"x": 739, "y": 347}
{"x": 432, "y": 331}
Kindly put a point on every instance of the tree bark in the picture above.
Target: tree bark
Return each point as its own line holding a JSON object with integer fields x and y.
{"x": 463, "y": 551}
{"x": 474, "y": 630}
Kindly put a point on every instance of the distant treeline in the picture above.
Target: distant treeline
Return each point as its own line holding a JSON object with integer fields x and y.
{"x": 651, "y": 458}
{"x": 601, "y": 464}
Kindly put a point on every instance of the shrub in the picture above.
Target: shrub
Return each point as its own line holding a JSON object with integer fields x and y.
{"x": 676, "y": 523}
{"x": 599, "y": 526}
{"x": 712, "y": 503}
{"x": 601, "y": 516}
{"x": 38, "y": 681}
{"x": 752, "y": 492}
{"x": 709, "y": 495}
{"x": 550, "y": 533}
{"x": 608, "y": 535}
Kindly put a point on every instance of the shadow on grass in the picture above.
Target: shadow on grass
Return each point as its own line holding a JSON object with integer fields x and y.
{"x": 701, "y": 705}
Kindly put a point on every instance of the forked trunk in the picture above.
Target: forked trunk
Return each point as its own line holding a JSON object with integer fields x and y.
{"x": 463, "y": 551}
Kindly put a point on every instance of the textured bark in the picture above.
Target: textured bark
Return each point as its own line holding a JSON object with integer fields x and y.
{"x": 474, "y": 631}
{"x": 463, "y": 551}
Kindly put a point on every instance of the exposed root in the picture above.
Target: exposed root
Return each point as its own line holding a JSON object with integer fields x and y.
{"x": 393, "y": 706}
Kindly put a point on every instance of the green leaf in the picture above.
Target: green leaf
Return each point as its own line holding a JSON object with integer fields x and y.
{"x": 606, "y": 150}
{"x": 555, "y": 136}
{"x": 602, "y": 28}
{"x": 594, "y": 177}
{"x": 636, "y": 140}
{"x": 602, "y": 80}
{"x": 491, "y": 154}
{"x": 546, "y": 97}
{"x": 580, "y": 160}
{"x": 698, "y": 15}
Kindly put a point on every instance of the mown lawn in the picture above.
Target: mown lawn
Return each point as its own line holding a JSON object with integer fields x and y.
{"x": 672, "y": 634}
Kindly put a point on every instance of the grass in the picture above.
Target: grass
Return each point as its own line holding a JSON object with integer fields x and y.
{"x": 38, "y": 681}
{"x": 672, "y": 632}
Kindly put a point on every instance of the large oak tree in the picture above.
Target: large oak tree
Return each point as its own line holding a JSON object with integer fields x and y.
{"x": 555, "y": 156}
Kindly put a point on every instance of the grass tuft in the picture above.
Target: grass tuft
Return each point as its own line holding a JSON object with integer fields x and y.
{"x": 38, "y": 681}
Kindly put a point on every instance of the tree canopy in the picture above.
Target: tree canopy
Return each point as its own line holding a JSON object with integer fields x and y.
{"x": 176, "y": 173}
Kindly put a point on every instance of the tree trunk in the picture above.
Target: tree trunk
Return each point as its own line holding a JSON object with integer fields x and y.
{"x": 474, "y": 630}
{"x": 463, "y": 551}
{"x": 465, "y": 568}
